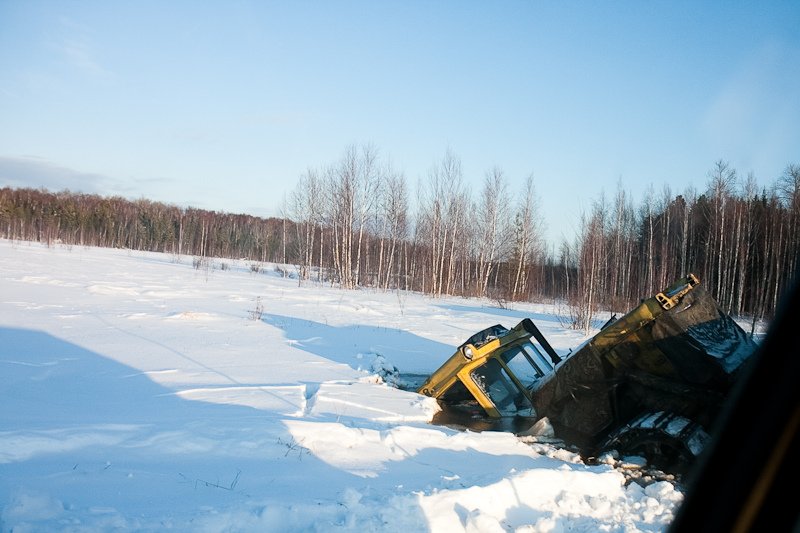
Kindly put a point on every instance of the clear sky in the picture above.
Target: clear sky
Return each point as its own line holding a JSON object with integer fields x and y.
{"x": 223, "y": 104}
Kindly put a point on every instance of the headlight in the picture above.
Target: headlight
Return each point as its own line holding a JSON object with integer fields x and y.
{"x": 468, "y": 353}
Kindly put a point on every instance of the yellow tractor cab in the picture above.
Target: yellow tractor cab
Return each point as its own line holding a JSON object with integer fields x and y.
{"x": 497, "y": 369}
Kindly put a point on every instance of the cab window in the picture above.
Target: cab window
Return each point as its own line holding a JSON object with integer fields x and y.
{"x": 494, "y": 381}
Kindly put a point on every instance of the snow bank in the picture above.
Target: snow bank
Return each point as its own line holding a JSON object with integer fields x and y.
{"x": 140, "y": 393}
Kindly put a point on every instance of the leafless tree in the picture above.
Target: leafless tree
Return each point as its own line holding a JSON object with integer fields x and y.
{"x": 647, "y": 217}
{"x": 353, "y": 186}
{"x": 392, "y": 227}
{"x": 722, "y": 182}
{"x": 442, "y": 213}
{"x": 305, "y": 210}
{"x": 788, "y": 189}
{"x": 491, "y": 227}
{"x": 527, "y": 240}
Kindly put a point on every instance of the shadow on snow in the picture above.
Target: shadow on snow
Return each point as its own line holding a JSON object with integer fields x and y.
{"x": 94, "y": 433}
{"x": 358, "y": 345}
{"x": 511, "y": 314}
{"x": 93, "y": 422}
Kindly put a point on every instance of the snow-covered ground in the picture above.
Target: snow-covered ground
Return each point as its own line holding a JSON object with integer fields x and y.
{"x": 142, "y": 393}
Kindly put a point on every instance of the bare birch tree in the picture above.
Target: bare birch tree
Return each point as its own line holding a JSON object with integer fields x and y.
{"x": 306, "y": 210}
{"x": 527, "y": 243}
{"x": 648, "y": 245}
{"x": 353, "y": 188}
{"x": 394, "y": 227}
{"x": 443, "y": 211}
{"x": 722, "y": 180}
{"x": 492, "y": 226}
{"x": 788, "y": 189}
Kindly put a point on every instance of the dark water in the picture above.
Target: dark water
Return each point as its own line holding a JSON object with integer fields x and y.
{"x": 464, "y": 416}
{"x": 464, "y": 420}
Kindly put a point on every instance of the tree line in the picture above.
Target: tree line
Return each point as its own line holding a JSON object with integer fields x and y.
{"x": 742, "y": 242}
{"x": 92, "y": 220}
{"x": 352, "y": 224}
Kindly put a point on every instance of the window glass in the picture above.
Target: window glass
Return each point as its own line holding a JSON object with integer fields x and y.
{"x": 520, "y": 365}
{"x": 528, "y": 363}
{"x": 496, "y": 384}
{"x": 540, "y": 359}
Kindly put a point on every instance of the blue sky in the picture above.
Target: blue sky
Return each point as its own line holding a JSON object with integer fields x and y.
{"x": 223, "y": 104}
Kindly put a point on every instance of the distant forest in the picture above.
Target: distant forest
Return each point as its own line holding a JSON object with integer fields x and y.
{"x": 351, "y": 224}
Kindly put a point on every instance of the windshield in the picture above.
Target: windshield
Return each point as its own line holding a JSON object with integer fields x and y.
{"x": 495, "y": 382}
{"x": 527, "y": 362}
